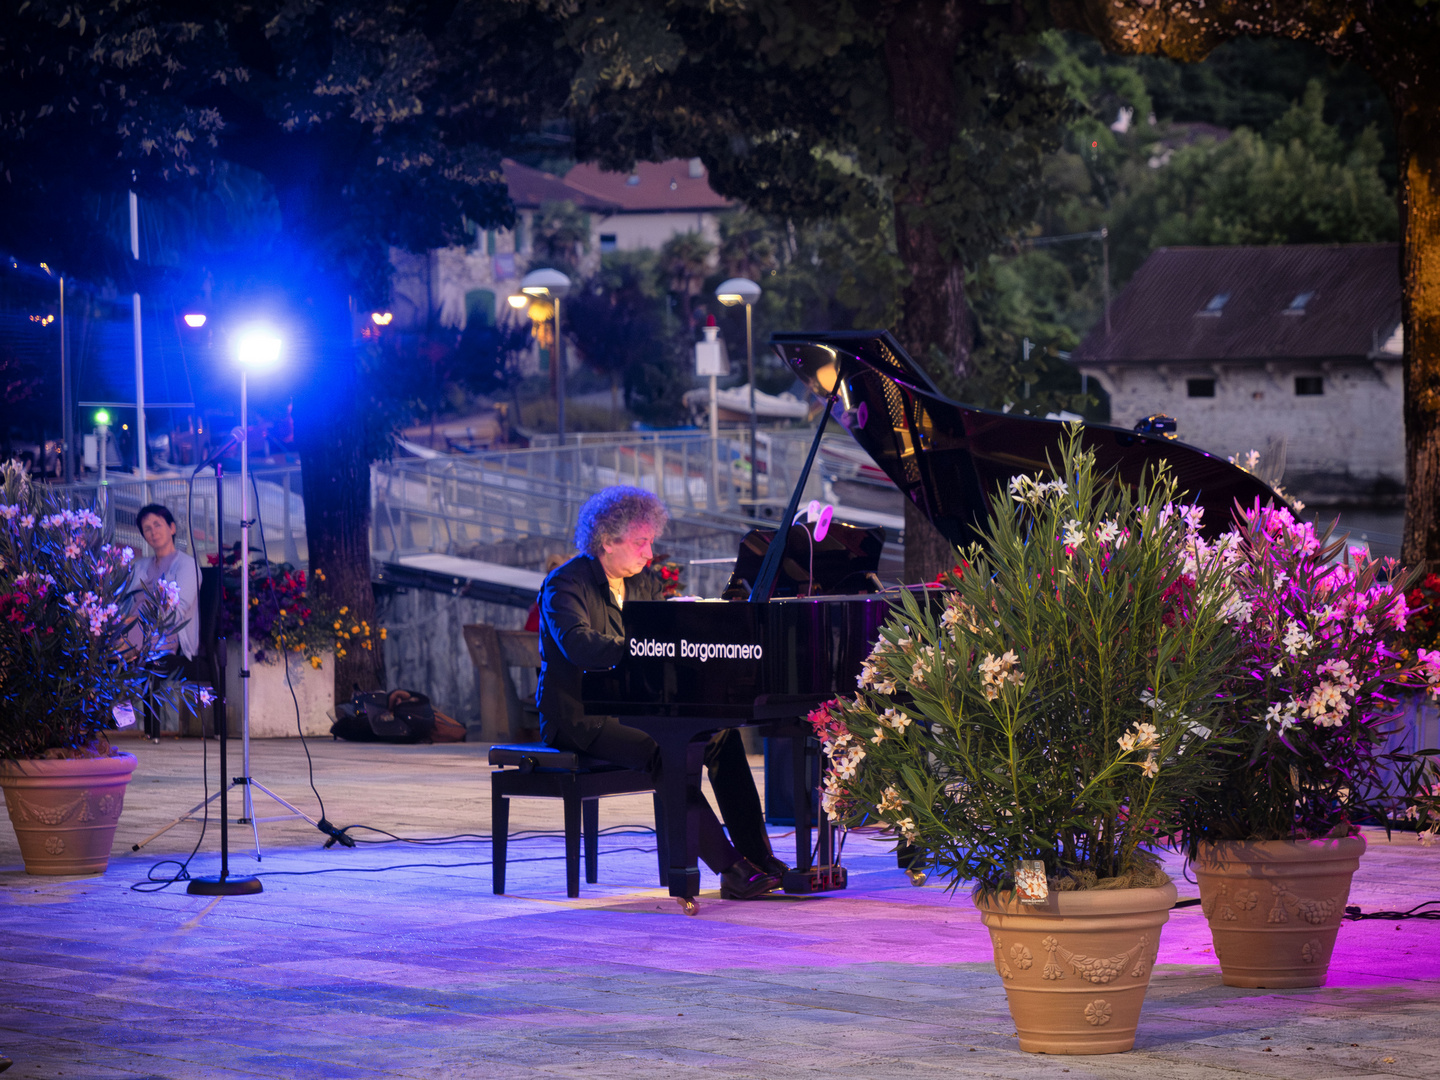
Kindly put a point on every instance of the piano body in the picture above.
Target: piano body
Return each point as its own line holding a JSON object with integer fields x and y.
{"x": 768, "y": 659}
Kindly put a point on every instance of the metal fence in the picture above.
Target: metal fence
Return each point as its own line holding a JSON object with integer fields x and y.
{"x": 279, "y": 508}
{"x": 466, "y": 505}
{"x": 471, "y": 505}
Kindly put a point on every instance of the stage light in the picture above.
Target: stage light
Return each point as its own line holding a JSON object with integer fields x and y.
{"x": 518, "y": 301}
{"x": 258, "y": 349}
{"x": 381, "y": 318}
{"x": 102, "y": 418}
{"x": 195, "y": 320}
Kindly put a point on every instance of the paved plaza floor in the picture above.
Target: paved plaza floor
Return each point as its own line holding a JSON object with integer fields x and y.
{"x": 396, "y": 960}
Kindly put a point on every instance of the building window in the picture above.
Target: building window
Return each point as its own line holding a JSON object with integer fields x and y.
{"x": 1297, "y": 305}
{"x": 1215, "y": 305}
{"x": 1309, "y": 385}
{"x": 1199, "y": 387}
{"x": 608, "y": 242}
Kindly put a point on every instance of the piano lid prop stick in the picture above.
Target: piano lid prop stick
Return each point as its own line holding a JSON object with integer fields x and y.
{"x": 770, "y": 568}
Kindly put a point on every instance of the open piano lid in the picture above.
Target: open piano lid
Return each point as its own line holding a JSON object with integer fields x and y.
{"x": 949, "y": 458}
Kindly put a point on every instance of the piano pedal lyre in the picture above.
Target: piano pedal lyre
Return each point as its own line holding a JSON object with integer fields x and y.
{"x": 688, "y": 905}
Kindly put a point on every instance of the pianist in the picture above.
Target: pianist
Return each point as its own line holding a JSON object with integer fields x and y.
{"x": 582, "y": 629}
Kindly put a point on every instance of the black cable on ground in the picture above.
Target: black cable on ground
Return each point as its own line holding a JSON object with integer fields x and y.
{"x": 1354, "y": 913}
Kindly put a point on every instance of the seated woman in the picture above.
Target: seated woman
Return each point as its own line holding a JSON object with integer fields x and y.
{"x": 168, "y": 564}
{"x": 582, "y": 629}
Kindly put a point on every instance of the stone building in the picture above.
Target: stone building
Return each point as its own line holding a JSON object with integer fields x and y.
{"x": 1291, "y": 351}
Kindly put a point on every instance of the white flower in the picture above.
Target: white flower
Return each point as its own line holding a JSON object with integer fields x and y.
{"x": 169, "y": 593}
{"x": 879, "y": 736}
{"x": 1297, "y": 640}
{"x": 1281, "y": 718}
{"x": 1074, "y": 534}
{"x": 907, "y": 829}
{"x": 893, "y": 718}
{"x": 889, "y": 801}
{"x": 996, "y": 671}
{"x": 1151, "y": 768}
{"x": 1107, "y": 532}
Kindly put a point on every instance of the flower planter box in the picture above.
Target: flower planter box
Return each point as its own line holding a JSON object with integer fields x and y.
{"x": 272, "y": 711}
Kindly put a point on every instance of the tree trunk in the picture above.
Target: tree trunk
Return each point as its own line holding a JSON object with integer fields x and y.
{"x": 920, "y": 55}
{"x": 920, "y": 50}
{"x": 329, "y": 432}
{"x": 1418, "y": 136}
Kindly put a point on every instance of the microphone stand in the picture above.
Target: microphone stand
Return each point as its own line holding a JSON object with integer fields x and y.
{"x": 224, "y": 885}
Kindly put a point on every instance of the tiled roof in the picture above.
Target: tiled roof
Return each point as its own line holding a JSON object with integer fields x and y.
{"x": 652, "y": 186}
{"x": 531, "y": 189}
{"x": 1172, "y": 308}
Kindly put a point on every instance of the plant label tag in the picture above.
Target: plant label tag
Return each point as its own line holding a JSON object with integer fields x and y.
{"x": 1031, "y": 886}
{"x": 124, "y": 714}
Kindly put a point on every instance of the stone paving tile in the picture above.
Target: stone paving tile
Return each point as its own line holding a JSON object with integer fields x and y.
{"x": 421, "y": 972}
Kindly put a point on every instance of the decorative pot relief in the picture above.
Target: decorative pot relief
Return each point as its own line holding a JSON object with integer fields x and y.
{"x": 1312, "y": 952}
{"x": 1218, "y": 906}
{"x": 1001, "y": 967}
{"x": 83, "y": 809}
{"x": 1287, "y": 903}
{"x": 1097, "y": 1013}
{"x": 55, "y": 845}
{"x": 1095, "y": 969}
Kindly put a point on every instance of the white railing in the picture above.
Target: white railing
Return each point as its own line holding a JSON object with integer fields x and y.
{"x": 280, "y": 509}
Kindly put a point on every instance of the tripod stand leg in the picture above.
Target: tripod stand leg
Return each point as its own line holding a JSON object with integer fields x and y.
{"x": 189, "y": 815}
{"x": 295, "y": 811}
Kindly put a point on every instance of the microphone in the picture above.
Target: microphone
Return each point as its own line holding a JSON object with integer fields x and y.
{"x": 236, "y": 435}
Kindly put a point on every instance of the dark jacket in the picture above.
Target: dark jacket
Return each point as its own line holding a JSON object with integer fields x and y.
{"x": 581, "y": 629}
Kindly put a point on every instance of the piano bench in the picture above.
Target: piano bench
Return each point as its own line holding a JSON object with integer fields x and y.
{"x": 534, "y": 770}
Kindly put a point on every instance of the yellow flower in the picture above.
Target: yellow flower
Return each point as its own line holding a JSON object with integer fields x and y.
{"x": 382, "y": 633}
{"x": 339, "y": 652}
{"x": 282, "y": 612}
{"x": 366, "y": 643}
{"x": 354, "y": 629}
{"x": 337, "y": 624}
{"x": 315, "y": 662}
{"x": 344, "y": 610}
{"x": 320, "y": 574}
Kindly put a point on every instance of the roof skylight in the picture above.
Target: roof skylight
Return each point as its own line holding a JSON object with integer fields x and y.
{"x": 1297, "y": 305}
{"x": 1215, "y": 304}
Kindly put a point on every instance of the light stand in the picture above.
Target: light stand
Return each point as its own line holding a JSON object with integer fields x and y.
{"x": 224, "y": 885}
{"x": 256, "y": 350}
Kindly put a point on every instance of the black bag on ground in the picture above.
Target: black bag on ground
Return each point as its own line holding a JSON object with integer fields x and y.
{"x": 370, "y": 716}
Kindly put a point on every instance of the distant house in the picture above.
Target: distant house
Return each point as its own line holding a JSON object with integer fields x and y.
{"x": 1292, "y": 351}
{"x": 628, "y": 211}
{"x": 654, "y": 201}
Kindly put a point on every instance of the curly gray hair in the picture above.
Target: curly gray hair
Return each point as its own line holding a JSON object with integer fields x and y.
{"x": 609, "y": 514}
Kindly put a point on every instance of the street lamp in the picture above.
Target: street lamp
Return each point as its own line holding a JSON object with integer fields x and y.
{"x": 102, "y": 437}
{"x": 553, "y": 285}
{"x": 744, "y": 291}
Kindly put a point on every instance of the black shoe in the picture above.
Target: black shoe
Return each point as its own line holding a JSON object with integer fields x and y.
{"x": 745, "y": 881}
{"x": 771, "y": 865}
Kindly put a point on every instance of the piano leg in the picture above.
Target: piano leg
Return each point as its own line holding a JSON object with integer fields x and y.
{"x": 681, "y": 762}
{"x": 802, "y": 794}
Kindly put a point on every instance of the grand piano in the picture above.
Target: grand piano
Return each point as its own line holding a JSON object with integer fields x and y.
{"x": 793, "y": 637}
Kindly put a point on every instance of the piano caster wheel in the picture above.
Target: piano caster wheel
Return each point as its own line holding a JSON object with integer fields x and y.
{"x": 917, "y": 877}
{"x": 688, "y": 905}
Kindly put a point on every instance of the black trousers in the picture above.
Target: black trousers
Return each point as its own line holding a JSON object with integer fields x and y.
{"x": 167, "y": 667}
{"x": 730, "y": 776}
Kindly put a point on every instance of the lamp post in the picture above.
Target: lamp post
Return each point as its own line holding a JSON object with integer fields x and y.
{"x": 102, "y": 438}
{"x": 553, "y": 285}
{"x": 744, "y": 291}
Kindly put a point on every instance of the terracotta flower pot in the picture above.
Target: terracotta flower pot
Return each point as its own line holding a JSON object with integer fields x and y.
{"x": 1275, "y": 906}
{"x": 65, "y": 810}
{"x": 1076, "y": 967}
